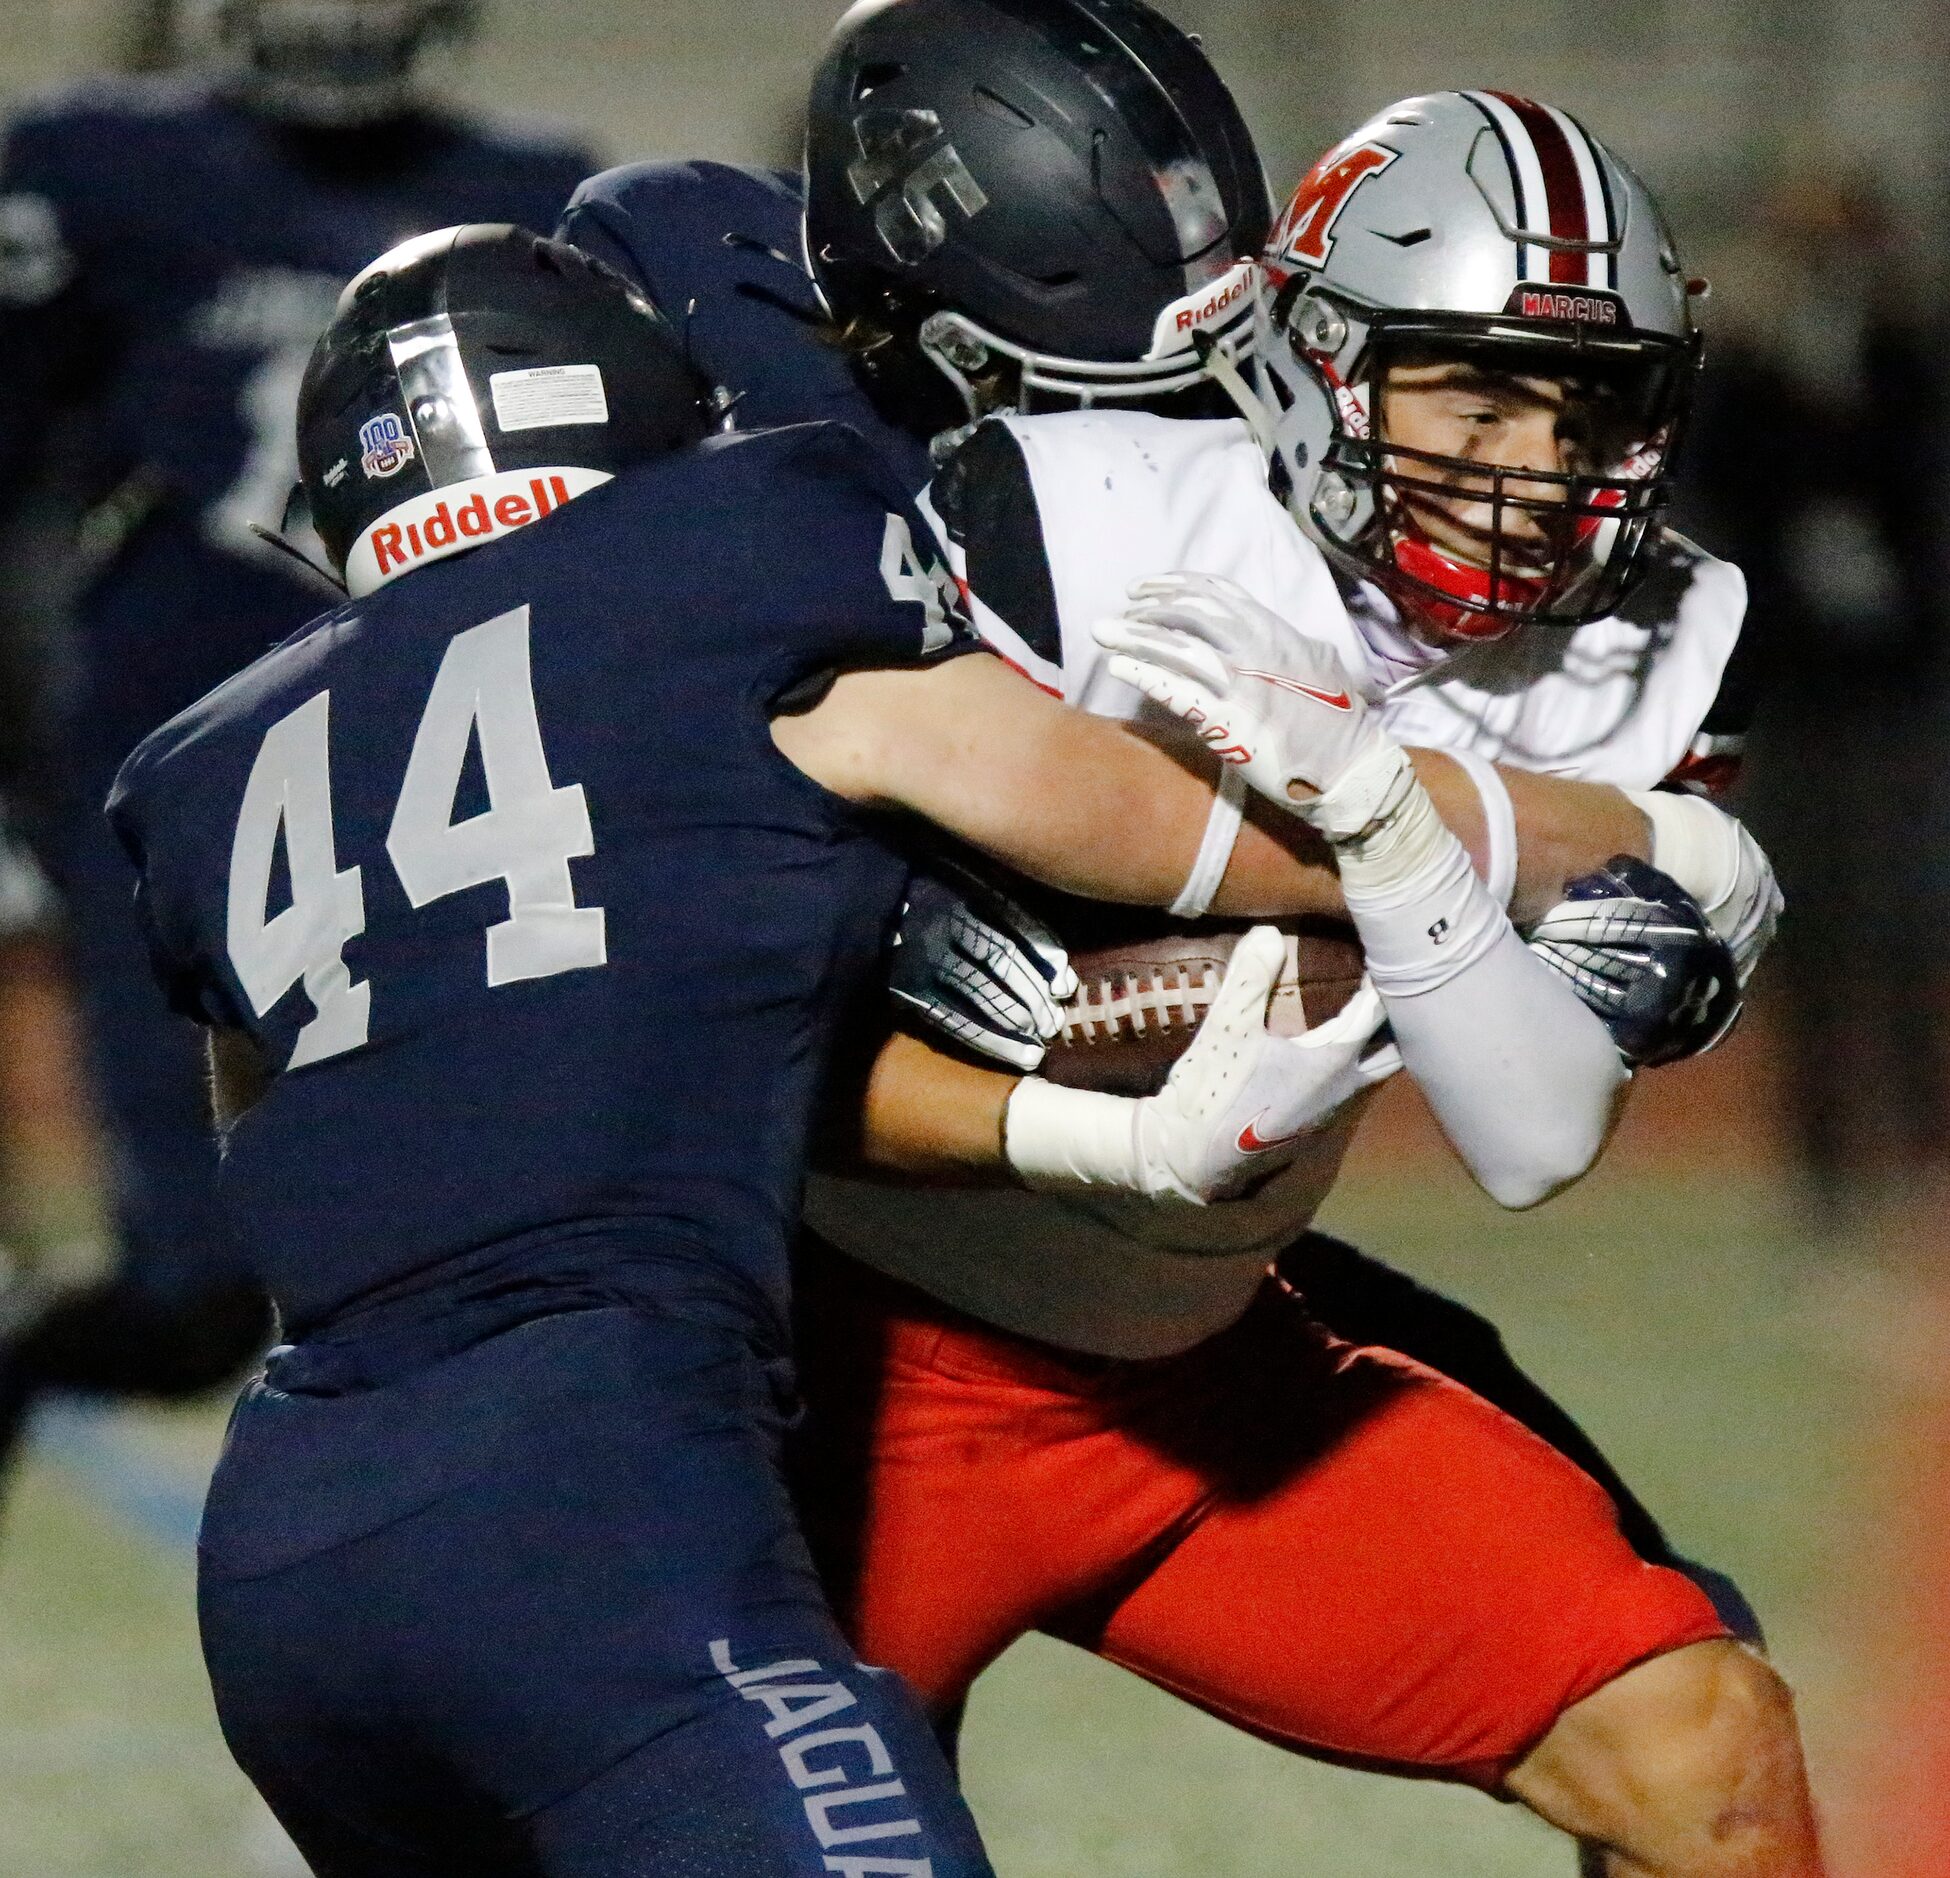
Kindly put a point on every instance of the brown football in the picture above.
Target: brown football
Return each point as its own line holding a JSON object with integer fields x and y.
{"x": 1139, "y": 1001}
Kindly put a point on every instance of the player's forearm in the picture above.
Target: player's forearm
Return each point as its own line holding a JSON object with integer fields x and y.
{"x": 1525, "y": 1081}
{"x": 1076, "y": 802}
{"x": 1523, "y": 1077}
{"x": 933, "y": 1118}
{"x": 1564, "y": 828}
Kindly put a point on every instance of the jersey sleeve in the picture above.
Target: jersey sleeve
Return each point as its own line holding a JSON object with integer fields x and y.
{"x": 983, "y": 502}
{"x": 165, "y": 900}
{"x": 886, "y": 595}
{"x": 1703, "y": 671}
{"x": 599, "y": 224}
{"x": 1712, "y": 763}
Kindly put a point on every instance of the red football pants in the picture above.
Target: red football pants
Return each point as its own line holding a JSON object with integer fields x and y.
{"x": 1329, "y": 1546}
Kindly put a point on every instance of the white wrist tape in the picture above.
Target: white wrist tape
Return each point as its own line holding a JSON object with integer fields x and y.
{"x": 1423, "y": 916}
{"x": 1711, "y": 854}
{"x": 1499, "y": 820}
{"x": 1364, "y": 797}
{"x": 1215, "y": 851}
{"x": 1057, "y": 1138}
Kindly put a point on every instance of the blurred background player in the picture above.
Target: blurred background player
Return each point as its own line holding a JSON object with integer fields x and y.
{"x": 171, "y": 244}
{"x": 54, "y": 1239}
{"x": 1830, "y": 373}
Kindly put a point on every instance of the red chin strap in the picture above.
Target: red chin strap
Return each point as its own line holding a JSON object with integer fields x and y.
{"x": 1464, "y": 614}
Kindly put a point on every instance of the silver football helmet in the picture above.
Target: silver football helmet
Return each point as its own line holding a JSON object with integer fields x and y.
{"x": 1476, "y": 227}
{"x": 327, "y": 64}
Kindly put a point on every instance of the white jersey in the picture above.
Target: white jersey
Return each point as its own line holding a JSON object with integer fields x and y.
{"x": 1048, "y": 522}
{"x": 1122, "y": 495}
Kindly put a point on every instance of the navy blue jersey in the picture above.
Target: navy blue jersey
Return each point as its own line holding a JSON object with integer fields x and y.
{"x": 167, "y": 260}
{"x": 720, "y": 249}
{"x": 502, "y": 867}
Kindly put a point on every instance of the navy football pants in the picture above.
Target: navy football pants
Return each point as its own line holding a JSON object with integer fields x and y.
{"x": 541, "y": 1607}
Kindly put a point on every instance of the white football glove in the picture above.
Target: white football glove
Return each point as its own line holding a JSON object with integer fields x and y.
{"x": 1265, "y": 697}
{"x": 1237, "y": 1107}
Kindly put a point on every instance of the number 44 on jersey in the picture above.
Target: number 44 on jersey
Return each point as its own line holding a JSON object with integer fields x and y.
{"x": 526, "y": 837}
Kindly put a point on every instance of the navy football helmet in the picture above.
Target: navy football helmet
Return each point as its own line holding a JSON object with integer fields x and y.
{"x": 471, "y": 361}
{"x": 327, "y": 64}
{"x": 1017, "y": 202}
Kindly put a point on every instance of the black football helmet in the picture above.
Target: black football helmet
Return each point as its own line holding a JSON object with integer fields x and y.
{"x": 1014, "y": 202}
{"x": 327, "y": 64}
{"x": 472, "y": 361}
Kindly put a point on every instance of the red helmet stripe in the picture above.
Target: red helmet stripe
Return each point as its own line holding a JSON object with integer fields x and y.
{"x": 1564, "y": 195}
{"x": 1526, "y": 175}
{"x": 1599, "y": 267}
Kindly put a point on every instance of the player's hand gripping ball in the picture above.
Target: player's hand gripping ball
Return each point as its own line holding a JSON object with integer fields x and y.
{"x": 1639, "y": 952}
{"x": 1139, "y": 1000}
{"x": 1241, "y": 1101}
{"x": 976, "y": 968}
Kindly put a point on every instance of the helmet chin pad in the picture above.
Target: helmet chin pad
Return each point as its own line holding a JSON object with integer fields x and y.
{"x": 1460, "y": 601}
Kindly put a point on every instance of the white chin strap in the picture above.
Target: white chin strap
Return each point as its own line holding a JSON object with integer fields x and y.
{"x": 1220, "y": 368}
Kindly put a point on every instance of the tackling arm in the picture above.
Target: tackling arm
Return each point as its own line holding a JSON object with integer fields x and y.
{"x": 1562, "y": 828}
{"x": 932, "y": 1117}
{"x": 1076, "y": 802}
{"x": 1091, "y": 808}
{"x": 1097, "y": 810}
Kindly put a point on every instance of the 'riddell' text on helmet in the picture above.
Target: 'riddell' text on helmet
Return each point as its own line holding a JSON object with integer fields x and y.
{"x": 1495, "y": 233}
{"x": 1014, "y": 203}
{"x": 473, "y": 381}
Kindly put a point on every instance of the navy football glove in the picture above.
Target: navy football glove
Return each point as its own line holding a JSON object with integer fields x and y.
{"x": 1639, "y": 952}
{"x": 977, "y": 969}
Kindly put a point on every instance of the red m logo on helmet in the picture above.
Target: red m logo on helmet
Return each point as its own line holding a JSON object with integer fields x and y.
{"x": 1304, "y": 234}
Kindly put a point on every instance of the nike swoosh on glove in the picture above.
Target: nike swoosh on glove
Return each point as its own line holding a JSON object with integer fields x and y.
{"x": 1237, "y": 1107}
{"x": 1263, "y": 696}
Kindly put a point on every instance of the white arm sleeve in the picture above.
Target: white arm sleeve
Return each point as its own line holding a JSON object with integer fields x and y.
{"x": 1523, "y": 1078}
{"x": 1521, "y": 1075}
